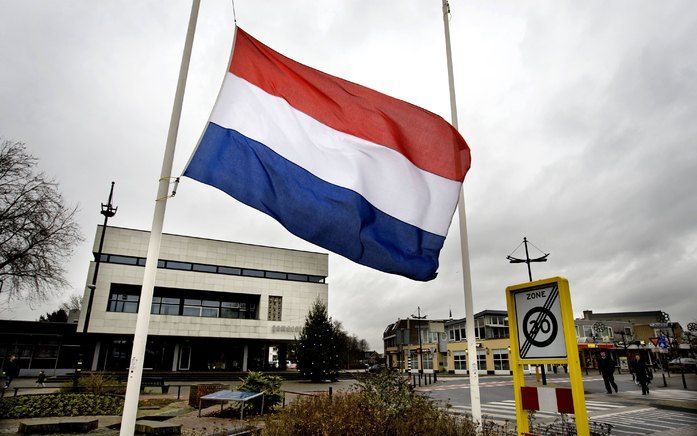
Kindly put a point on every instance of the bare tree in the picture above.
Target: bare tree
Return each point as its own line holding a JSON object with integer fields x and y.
{"x": 74, "y": 302}
{"x": 37, "y": 230}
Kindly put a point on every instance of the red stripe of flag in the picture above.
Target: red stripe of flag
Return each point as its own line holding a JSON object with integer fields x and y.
{"x": 529, "y": 398}
{"x": 424, "y": 138}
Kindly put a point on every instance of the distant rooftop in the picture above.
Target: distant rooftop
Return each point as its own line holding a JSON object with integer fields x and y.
{"x": 657, "y": 315}
{"x": 479, "y": 315}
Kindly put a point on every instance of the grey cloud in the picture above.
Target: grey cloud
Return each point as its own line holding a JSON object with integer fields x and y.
{"x": 580, "y": 117}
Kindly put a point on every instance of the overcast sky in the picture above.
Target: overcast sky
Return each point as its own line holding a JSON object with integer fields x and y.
{"x": 580, "y": 116}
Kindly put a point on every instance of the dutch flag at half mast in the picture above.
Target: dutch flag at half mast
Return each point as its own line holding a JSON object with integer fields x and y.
{"x": 359, "y": 173}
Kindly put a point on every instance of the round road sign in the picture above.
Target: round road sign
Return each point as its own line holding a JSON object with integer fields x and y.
{"x": 540, "y": 326}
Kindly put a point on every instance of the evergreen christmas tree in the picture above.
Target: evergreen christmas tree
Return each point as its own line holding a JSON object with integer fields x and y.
{"x": 318, "y": 354}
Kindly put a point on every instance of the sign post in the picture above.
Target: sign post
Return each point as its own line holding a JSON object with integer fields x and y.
{"x": 541, "y": 324}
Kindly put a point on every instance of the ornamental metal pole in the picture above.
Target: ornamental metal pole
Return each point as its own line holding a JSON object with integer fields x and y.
{"x": 135, "y": 370}
{"x": 108, "y": 210}
{"x": 475, "y": 398}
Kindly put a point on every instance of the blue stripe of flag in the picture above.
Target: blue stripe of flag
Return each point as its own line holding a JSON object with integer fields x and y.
{"x": 330, "y": 216}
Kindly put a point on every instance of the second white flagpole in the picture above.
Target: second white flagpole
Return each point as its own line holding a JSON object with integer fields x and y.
{"x": 470, "y": 336}
{"x": 135, "y": 370}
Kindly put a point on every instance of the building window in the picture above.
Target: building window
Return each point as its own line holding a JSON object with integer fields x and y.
{"x": 432, "y": 337}
{"x": 276, "y": 275}
{"x": 588, "y": 331}
{"x": 297, "y": 277}
{"x": 122, "y": 302}
{"x": 184, "y": 266}
{"x": 202, "y": 308}
{"x": 205, "y": 268}
{"x": 428, "y": 361}
{"x": 460, "y": 360}
{"x": 499, "y": 320}
{"x": 501, "y": 359}
{"x": 481, "y": 359}
{"x": 252, "y": 273}
{"x": 275, "y": 308}
{"x": 479, "y": 330}
{"x": 457, "y": 332}
{"x": 165, "y": 306}
{"x": 168, "y": 301}
{"x": 229, "y": 271}
{"x": 499, "y": 332}
{"x": 123, "y": 260}
{"x": 230, "y": 309}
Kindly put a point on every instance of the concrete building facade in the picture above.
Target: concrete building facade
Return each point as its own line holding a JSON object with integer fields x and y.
{"x": 217, "y": 305}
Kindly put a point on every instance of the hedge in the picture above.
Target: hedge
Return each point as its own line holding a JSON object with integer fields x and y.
{"x": 61, "y": 404}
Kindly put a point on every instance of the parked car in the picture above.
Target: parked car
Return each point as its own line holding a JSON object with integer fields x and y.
{"x": 683, "y": 363}
{"x": 376, "y": 368}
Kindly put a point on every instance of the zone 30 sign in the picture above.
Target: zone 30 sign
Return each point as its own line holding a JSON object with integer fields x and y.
{"x": 542, "y": 331}
{"x": 539, "y": 323}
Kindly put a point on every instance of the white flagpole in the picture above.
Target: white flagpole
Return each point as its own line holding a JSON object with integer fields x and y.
{"x": 464, "y": 245}
{"x": 135, "y": 371}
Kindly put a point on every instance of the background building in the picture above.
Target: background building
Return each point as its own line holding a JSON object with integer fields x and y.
{"x": 217, "y": 305}
{"x": 493, "y": 343}
{"x": 403, "y": 351}
{"x": 633, "y": 333}
{"x": 52, "y": 347}
{"x": 620, "y": 334}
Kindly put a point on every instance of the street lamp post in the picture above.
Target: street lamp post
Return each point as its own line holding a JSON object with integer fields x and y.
{"x": 421, "y": 351}
{"x": 108, "y": 210}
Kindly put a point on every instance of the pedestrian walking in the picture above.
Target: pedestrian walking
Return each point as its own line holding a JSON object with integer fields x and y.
{"x": 642, "y": 374}
{"x": 607, "y": 370}
{"x": 11, "y": 370}
{"x": 41, "y": 379}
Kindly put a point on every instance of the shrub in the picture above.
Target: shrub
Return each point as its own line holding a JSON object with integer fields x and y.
{"x": 350, "y": 414}
{"x": 97, "y": 383}
{"x": 63, "y": 404}
{"x": 259, "y": 382}
{"x": 380, "y": 405}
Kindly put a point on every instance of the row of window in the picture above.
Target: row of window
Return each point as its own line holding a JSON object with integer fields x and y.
{"x": 457, "y": 332}
{"x": 214, "y": 269}
{"x": 428, "y": 336}
{"x": 589, "y": 331}
{"x": 500, "y": 357}
{"x": 167, "y": 301}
